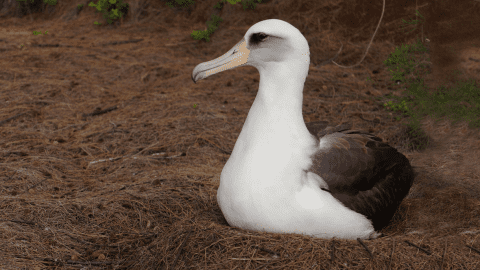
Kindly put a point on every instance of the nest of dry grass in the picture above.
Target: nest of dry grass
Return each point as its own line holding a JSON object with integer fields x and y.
{"x": 106, "y": 164}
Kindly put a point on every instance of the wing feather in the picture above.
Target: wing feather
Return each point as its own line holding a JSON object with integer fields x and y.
{"x": 364, "y": 173}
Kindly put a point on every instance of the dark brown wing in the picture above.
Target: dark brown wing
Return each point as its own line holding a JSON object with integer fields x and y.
{"x": 316, "y": 127}
{"x": 364, "y": 173}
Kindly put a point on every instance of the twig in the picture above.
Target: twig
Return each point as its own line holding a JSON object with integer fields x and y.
{"x": 369, "y": 44}
{"x": 218, "y": 147}
{"x": 69, "y": 126}
{"x": 95, "y": 263}
{"x": 36, "y": 184}
{"x": 56, "y": 261}
{"x": 332, "y": 96}
{"x": 420, "y": 248}
{"x": 365, "y": 247}
{"x": 88, "y": 243}
{"x": 146, "y": 148}
{"x": 332, "y": 254}
{"x": 354, "y": 101}
{"x": 12, "y": 118}
{"x": 268, "y": 251}
{"x": 134, "y": 157}
{"x": 105, "y": 160}
{"x": 180, "y": 43}
{"x": 181, "y": 249}
{"x": 250, "y": 259}
{"x": 46, "y": 45}
{"x": 330, "y": 59}
{"x": 122, "y": 42}
{"x": 175, "y": 156}
{"x": 373, "y": 121}
{"x": 443, "y": 256}
{"x": 391, "y": 255}
{"x": 474, "y": 249}
{"x": 18, "y": 221}
{"x": 99, "y": 112}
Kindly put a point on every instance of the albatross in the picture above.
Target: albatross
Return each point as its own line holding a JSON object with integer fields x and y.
{"x": 285, "y": 176}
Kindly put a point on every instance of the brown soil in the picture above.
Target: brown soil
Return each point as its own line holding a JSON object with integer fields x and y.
{"x": 105, "y": 162}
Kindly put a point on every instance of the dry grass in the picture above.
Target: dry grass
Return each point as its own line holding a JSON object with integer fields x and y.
{"x": 106, "y": 164}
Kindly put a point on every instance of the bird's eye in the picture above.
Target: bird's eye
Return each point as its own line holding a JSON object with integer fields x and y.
{"x": 258, "y": 37}
{"x": 262, "y": 36}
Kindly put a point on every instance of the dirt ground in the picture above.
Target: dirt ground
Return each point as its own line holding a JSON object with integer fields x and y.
{"x": 110, "y": 155}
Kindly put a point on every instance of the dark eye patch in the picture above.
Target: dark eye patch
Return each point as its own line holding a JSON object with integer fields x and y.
{"x": 257, "y": 38}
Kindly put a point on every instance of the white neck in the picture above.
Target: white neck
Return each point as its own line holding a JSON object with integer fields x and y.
{"x": 277, "y": 108}
{"x": 274, "y": 134}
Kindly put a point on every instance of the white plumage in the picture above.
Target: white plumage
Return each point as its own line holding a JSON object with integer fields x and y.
{"x": 288, "y": 177}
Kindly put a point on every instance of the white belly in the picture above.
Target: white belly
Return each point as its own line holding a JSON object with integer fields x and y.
{"x": 296, "y": 205}
{"x": 265, "y": 186}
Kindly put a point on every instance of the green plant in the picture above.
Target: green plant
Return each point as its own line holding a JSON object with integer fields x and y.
{"x": 211, "y": 27}
{"x": 402, "y": 106}
{"x": 408, "y": 64}
{"x": 245, "y": 3}
{"x": 462, "y": 102}
{"x": 213, "y": 24}
{"x": 414, "y": 23}
{"x": 250, "y": 4}
{"x": 38, "y": 33}
{"x": 180, "y": 3}
{"x": 219, "y": 4}
{"x": 402, "y": 61}
{"x": 50, "y": 2}
{"x": 110, "y": 9}
{"x": 34, "y": 5}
